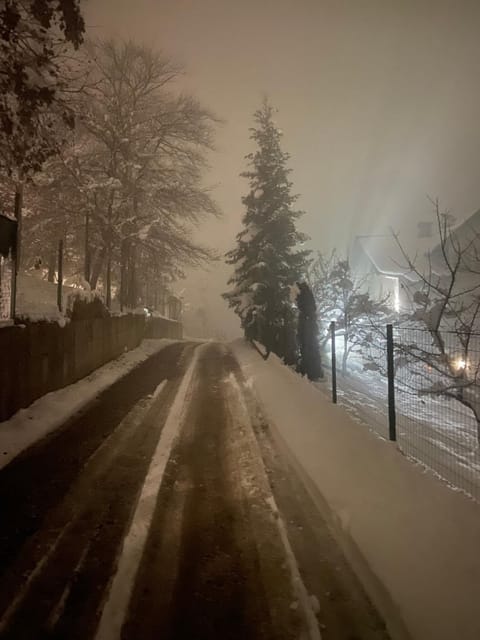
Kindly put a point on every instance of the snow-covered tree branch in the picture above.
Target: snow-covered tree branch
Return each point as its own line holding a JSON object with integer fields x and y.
{"x": 125, "y": 191}
{"x": 37, "y": 39}
{"x": 344, "y": 298}
{"x": 439, "y": 340}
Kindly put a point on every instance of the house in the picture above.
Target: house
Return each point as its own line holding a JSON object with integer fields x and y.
{"x": 464, "y": 238}
{"x": 379, "y": 260}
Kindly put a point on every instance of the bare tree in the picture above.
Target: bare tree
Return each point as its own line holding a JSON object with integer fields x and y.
{"x": 143, "y": 177}
{"x": 126, "y": 189}
{"x": 345, "y": 298}
{"x": 445, "y": 306}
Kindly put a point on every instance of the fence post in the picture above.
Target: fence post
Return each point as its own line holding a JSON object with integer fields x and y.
{"x": 60, "y": 275}
{"x": 334, "y": 363}
{"x": 392, "y": 427}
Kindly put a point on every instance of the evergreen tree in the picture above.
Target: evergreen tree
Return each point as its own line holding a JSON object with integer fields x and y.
{"x": 310, "y": 363}
{"x": 267, "y": 261}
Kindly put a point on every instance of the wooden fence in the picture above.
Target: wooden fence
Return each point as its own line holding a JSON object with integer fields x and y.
{"x": 39, "y": 357}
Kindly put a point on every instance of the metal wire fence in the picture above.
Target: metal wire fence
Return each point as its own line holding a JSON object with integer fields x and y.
{"x": 437, "y": 386}
{"x": 429, "y": 401}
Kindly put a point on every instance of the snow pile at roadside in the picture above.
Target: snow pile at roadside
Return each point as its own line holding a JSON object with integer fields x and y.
{"x": 29, "y": 425}
{"x": 37, "y": 299}
{"x": 385, "y": 511}
{"x": 288, "y": 398}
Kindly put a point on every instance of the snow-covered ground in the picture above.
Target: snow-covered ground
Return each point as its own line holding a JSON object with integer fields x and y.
{"x": 436, "y": 431}
{"x": 116, "y": 606}
{"x": 29, "y": 425}
{"x": 37, "y": 298}
{"x": 412, "y": 540}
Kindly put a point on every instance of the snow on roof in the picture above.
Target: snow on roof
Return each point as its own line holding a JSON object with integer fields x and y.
{"x": 387, "y": 259}
{"x": 383, "y": 252}
{"x": 472, "y": 222}
{"x": 464, "y": 232}
{"x": 386, "y": 256}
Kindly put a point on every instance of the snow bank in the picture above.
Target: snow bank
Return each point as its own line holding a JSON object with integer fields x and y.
{"x": 412, "y": 541}
{"x": 29, "y": 425}
{"x": 37, "y": 299}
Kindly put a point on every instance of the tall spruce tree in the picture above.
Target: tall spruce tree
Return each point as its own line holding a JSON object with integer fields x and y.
{"x": 267, "y": 258}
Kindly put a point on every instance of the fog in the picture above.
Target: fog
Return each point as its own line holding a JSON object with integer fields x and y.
{"x": 378, "y": 101}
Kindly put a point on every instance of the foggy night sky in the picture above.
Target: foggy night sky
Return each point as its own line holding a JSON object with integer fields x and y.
{"x": 379, "y": 102}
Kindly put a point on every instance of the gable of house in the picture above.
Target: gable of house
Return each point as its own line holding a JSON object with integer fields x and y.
{"x": 464, "y": 238}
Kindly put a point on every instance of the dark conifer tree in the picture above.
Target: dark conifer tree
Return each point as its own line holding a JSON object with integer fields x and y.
{"x": 267, "y": 258}
{"x": 310, "y": 362}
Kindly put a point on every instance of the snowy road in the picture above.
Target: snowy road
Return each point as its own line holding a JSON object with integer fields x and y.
{"x": 165, "y": 510}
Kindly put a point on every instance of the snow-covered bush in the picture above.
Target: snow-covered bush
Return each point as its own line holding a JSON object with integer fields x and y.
{"x": 84, "y": 305}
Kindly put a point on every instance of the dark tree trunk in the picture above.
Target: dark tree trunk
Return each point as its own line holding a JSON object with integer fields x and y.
{"x": 123, "y": 273}
{"x": 97, "y": 268}
{"x": 345, "y": 353}
{"x": 132, "y": 278}
{"x": 310, "y": 359}
{"x": 109, "y": 278}
{"x": 86, "y": 273}
{"x": 52, "y": 263}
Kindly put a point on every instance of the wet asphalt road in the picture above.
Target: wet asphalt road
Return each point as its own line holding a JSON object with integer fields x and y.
{"x": 209, "y": 561}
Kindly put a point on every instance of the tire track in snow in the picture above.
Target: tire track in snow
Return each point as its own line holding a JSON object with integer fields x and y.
{"x": 101, "y": 457}
{"x": 116, "y": 606}
{"x": 312, "y": 629}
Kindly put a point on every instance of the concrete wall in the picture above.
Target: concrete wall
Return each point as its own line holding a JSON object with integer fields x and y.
{"x": 413, "y": 541}
{"x": 39, "y": 357}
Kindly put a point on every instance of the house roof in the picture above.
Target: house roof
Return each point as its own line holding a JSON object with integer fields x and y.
{"x": 463, "y": 233}
{"x": 469, "y": 224}
{"x": 387, "y": 258}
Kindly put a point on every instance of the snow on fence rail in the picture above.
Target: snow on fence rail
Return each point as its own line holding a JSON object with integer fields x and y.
{"x": 436, "y": 400}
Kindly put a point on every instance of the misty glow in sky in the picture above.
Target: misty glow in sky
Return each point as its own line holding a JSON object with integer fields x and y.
{"x": 378, "y": 102}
